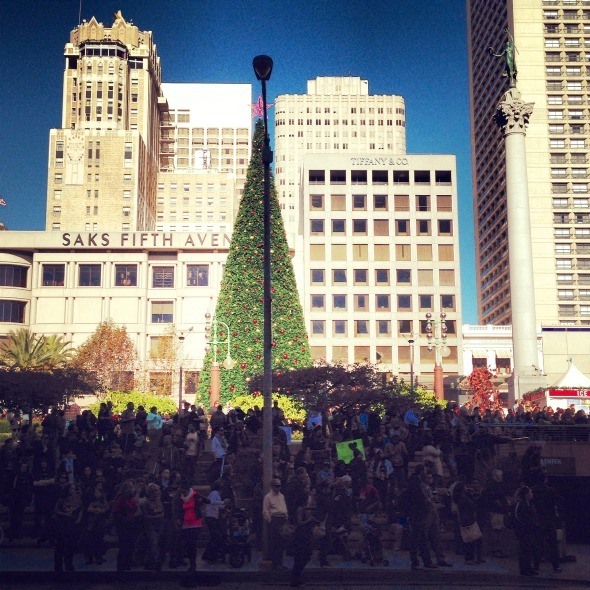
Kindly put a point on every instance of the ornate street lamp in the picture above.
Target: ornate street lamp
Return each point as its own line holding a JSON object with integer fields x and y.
{"x": 263, "y": 69}
{"x": 436, "y": 332}
{"x": 228, "y": 363}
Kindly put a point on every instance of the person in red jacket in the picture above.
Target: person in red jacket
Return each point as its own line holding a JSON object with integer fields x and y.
{"x": 189, "y": 520}
{"x": 125, "y": 512}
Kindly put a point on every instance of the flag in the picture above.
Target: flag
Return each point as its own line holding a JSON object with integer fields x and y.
{"x": 2, "y": 202}
{"x": 258, "y": 108}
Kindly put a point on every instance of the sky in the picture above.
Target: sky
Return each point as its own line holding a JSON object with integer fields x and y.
{"x": 414, "y": 48}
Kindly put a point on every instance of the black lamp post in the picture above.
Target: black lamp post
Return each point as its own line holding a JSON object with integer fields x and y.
{"x": 263, "y": 68}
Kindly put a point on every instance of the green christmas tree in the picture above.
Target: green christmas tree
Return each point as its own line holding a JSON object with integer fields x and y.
{"x": 240, "y": 302}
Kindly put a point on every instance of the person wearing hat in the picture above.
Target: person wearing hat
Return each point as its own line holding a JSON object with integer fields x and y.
{"x": 274, "y": 512}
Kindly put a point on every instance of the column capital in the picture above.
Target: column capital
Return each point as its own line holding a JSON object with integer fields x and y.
{"x": 513, "y": 114}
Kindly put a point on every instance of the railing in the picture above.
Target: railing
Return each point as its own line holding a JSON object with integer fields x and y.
{"x": 578, "y": 433}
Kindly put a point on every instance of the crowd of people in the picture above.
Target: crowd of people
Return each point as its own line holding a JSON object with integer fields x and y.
{"x": 410, "y": 474}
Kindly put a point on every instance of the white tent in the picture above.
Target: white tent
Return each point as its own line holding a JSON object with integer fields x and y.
{"x": 572, "y": 378}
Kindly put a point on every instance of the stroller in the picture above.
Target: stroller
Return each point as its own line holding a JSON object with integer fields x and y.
{"x": 238, "y": 538}
{"x": 340, "y": 544}
{"x": 372, "y": 552}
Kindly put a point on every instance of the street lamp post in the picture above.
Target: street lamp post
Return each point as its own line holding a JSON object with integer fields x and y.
{"x": 263, "y": 68}
{"x": 228, "y": 363}
{"x": 436, "y": 332}
{"x": 181, "y": 340}
{"x": 411, "y": 343}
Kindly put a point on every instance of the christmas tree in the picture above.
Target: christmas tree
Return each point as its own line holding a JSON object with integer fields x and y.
{"x": 240, "y": 302}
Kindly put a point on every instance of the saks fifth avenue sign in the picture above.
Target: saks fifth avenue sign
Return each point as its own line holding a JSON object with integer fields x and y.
{"x": 145, "y": 240}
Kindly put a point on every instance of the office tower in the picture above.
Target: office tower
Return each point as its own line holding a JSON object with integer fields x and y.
{"x": 337, "y": 115}
{"x": 134, "y": 154}
{"x": 553, "y": 41}
{"x": 103, "y": 162}
{"x": 205, "y": 150}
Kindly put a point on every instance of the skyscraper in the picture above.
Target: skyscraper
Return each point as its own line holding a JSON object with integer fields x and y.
{"x": 552, "y": 40}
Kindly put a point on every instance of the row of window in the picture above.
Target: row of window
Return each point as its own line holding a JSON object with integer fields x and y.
{"x": 383, "y": 354}
{"x": 382, "y": 328}
{"x": 380, "y": 202}
{"x": 441, "y": 177}
{"x": 380, "y": 252}
{"x": 90, "y": 275}
{"x": 382, "y": 302}
{"x": 381, "y": 227}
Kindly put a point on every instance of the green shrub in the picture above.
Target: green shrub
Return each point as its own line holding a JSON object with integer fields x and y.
{"x": 293, "y": 410}
{"x": 120, "y": 399}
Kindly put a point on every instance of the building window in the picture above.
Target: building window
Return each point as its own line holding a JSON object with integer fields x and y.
{"x": 425, "y": 302}
{"x": 447, "y": 302}
{"x": 318, "y": 276}
{"x": 402, "y": 227}
{"x": 423, "y": 227}
{"x": 89, "y": 275}
{"x": 383, "y": 327}
{"x": 360, "y": 276}
{"x": 53, "y": 275}
{"x": 404, "y": 303}
{"x": 12, "y": 312}
{"x": 338, "y": 226}
{"x": 404, "y": 327}
{"x": 423, "y": 203}
{"x": 361, "y": 302}
{"x": 316, "y": 202}
{"x": 361, "y": 327}
{"x": 359, "y": 227}
{"x": 163, "y": 276}
{"x": 382, "y": 302}
{"x": 162, "y": 312}
{"x": 339, "y": 276}
{"x": 317, "y": 227}
{"x": 125, "y": 275}
{"x": 13, "y": 276}
{"x": 382, "y": 276}
{"x": 381, "y": 227}
{"x": 403, "y": 252}
{"x": 403, "y": 276}
{"x": 380, "y": 202}
{"x": 339, "y": 302}
{"x": 359, "y": 202}
{"x": 339, "y": 328}
{"x": 318, "y": 327}
{"x": 318, "y": 302}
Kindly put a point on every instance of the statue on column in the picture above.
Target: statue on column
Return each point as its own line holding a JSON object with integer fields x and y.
{"x": 509, "y": 55}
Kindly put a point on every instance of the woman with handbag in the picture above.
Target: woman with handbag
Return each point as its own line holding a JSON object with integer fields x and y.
{"x": 470, "y": 531}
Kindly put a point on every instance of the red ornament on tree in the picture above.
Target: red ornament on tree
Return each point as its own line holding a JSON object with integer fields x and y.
{"x": 285, "y": 355}
{"x": 255, "y": 321}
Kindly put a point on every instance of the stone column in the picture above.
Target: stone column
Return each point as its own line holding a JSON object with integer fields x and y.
{"x": 512, "y": 116}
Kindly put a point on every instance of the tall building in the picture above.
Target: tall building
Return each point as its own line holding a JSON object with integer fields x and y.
{"x": 381, "y": 251}
{"x": 103, "y": 162}
{"x": 134, "y": 154}
{"x": 552, "y": 39}
{"x": 337, "y": 115}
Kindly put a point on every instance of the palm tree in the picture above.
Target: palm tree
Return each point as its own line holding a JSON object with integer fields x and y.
{"x": 24, "y": 350}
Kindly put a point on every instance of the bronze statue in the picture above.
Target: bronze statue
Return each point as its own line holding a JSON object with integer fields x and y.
{"x": 509, "y": 55}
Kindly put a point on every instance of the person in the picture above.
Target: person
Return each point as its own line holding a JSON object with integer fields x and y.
{"x": 217, "y": 420}
{"x": 219, "y": 450}
{"x": 68, "y": 514}
{"x": 95, "y": 516}
{"x": 153, "y": 514}
{"x": 274, "y": 512}
{"x": 547, "y": 504}
{"x": 125, "y": 512}
{"x": 154, "y": 427}
{"x": 20, "y": 496}
{"x": 526, "y": 527}
{"x": 496, "y": 503}
{"x": 128, "y": 427}
{"x": 189, "y": 521}
{"x": 466, "y": 512}
{"x": 302, "y": 545}
{"x": 191, "y": 451}
{"x": 215, "y": 549}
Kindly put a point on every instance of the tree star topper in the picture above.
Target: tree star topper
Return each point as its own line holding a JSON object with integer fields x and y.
{"x": 258, "y": 107}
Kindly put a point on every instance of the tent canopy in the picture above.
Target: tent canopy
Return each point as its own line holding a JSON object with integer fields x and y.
{"x": 572, "y": 378}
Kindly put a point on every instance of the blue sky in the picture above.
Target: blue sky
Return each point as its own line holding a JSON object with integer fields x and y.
{"x": 415, "y": 48}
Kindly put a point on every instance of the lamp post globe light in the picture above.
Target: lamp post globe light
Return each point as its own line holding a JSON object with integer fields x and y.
{"x": 228, "y": 363}
{"x": 436, "y": 332}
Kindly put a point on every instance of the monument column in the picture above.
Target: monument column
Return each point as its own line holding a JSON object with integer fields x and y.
{"x": 512, "y": 116}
